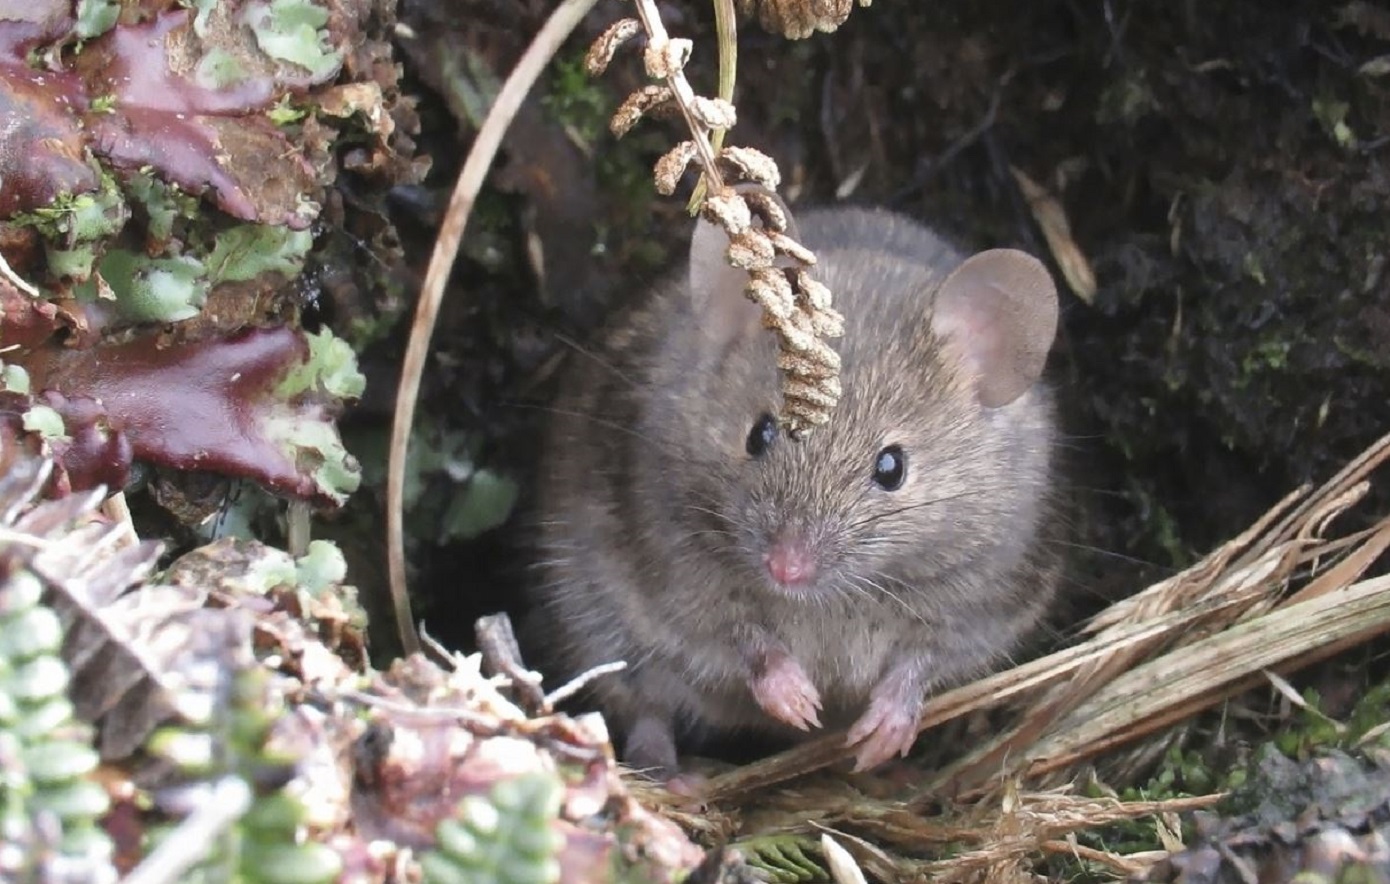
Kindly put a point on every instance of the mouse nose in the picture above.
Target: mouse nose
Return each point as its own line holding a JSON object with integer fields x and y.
{"x": 791, "y": 561}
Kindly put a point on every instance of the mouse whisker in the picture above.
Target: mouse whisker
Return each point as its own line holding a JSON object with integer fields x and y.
{"x": 599, "y": 421}
{"x": 935, "y": 501}
{"x": 883, "y": 590}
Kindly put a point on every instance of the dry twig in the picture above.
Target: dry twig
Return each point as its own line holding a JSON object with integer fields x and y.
{"x": 470, "y": 181}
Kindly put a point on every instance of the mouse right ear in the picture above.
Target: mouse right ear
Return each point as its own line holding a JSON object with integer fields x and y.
{"x": 716, "y": 286}
{"x": 998, "y": 312}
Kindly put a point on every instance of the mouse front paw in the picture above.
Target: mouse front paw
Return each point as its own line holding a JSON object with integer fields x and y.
{"x": 888, "y": 728}
{"x": 784, "y": 691}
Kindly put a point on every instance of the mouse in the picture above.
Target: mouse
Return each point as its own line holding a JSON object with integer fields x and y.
{"x": 760, "y": 584}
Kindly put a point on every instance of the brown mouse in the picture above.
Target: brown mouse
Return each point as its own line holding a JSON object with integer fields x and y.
{"x": 753, "y": 582}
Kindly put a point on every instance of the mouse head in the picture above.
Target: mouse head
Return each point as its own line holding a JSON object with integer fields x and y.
{"x": 939, "y": 451}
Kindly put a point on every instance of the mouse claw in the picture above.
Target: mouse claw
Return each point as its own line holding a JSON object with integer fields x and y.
{"x": 887, "y": 729}
{"x": 785, "y": 692}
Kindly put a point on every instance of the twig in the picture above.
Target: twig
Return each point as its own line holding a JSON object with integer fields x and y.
{"x": 470, "y": 181}
{"x": 578, "y": 683}
{"x": 191, "y": 842}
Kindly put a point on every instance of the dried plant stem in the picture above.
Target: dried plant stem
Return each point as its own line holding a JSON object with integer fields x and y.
{"x": 546, "y": 43}
{"x": 726, "y": 28}
{"x": 683, "y": 95}
{"x": 193, "y": 841}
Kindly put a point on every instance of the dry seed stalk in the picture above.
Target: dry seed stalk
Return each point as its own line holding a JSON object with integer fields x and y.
{"x": 795, "y": 306}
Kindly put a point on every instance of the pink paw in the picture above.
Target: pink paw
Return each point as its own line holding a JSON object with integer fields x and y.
{"x": 784, "y": 691}
{"x": 887, "y": 729}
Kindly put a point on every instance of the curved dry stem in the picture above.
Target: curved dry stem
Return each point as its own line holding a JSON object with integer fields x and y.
{"x": 470, "y": 181}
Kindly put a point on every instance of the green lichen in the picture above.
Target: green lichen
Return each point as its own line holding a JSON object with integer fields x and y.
{"x": 164, "y": 204}
{"x": 151, "y": 289}
{"x": 248, "y": 250}
{"x": 331, "y": 366}
{"x": 219, "y": 69}
{"x": 292, "y": 31}
{"x": 45, "y": 421}
{"x": 96, "y": 17}
{"x": 14, "y": 379}
{"x": 204, "y": 10}
{"x": 75, "y": 227}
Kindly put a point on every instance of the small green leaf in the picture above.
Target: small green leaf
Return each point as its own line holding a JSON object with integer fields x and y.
{"x": 438, "y": 868}
{"x": 41, "y": 719}
{"x": 296, "y": 863}
{"x": 35, "y": 631}
{"x": 56, "y": 762}
{"x": 80, "y": 799}
{"x": 155, "y": 289}
{"x": 15, "y": 379}
{"x": 96, "y": 17}
{"x": 45, "y": 421}
{"x": 485, "y": 503}
{"x": 321, "y": 566}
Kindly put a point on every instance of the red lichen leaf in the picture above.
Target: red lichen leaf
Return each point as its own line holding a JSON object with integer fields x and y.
{"x": 92, "y": 452}
{"x": 209, "y": 406}
{"x": 202, "y": 139}
{"x": 41, "y": 141}
{"x": 95, "y": 450}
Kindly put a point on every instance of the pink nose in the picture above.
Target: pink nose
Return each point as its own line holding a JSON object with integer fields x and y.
{"x": 790, "y": 561}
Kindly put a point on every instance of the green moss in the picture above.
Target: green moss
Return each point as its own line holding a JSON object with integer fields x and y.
{"x": 578, "y": 101}
{"x": 74, "y": 227}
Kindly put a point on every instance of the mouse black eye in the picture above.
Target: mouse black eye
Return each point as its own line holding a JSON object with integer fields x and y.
{"x": 890, "y": 469}
{"x": 761, "y": 436}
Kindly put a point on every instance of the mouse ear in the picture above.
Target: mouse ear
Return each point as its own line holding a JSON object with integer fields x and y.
{"x": 998, "y": 310}
{"x": 716, "y": 286}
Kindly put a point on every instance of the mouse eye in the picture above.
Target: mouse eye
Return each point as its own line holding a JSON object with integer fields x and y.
{"x": 890, "y": 468}
{"x": 761, "y": 436}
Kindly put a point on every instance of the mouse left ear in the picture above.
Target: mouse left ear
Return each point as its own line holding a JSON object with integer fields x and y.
{"x": 998, "y": 312}
{"x": 716, "y": 286}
